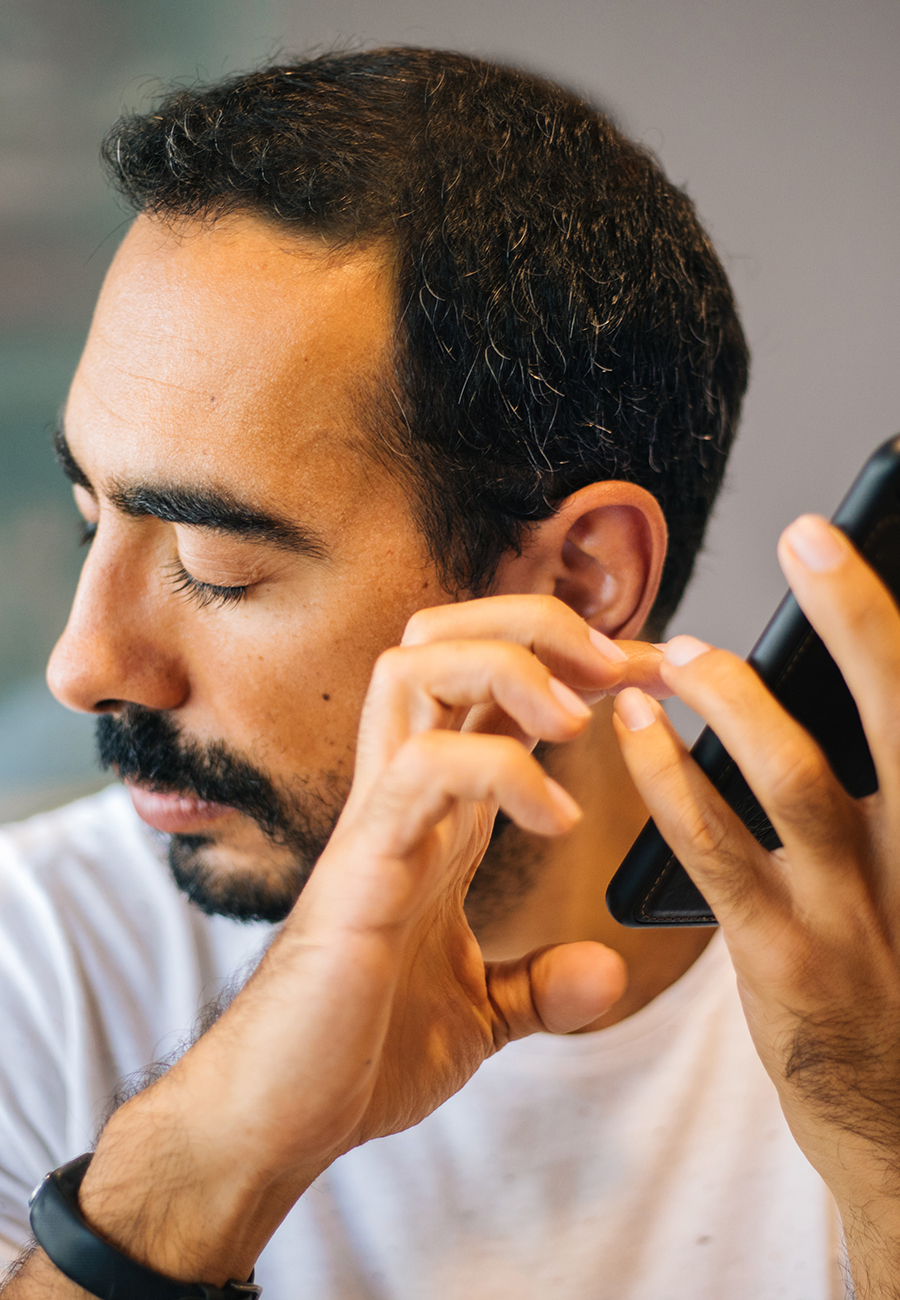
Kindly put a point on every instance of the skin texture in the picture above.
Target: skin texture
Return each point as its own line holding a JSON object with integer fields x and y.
{"x": 228, "y": 356}
{"x": 207, "y": 385}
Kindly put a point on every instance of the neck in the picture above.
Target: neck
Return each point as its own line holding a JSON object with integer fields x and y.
{"x": 567, "y": 902}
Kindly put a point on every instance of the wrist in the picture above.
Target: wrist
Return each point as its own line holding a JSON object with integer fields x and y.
{"x": 175, "y": 1200}
{"x": 867, "y": 1195}
{"x": 92, "y": 1263}
{"x": 872, "y": 1239}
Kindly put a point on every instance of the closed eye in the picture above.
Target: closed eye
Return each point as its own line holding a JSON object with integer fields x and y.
{"x": 203, "y": 594}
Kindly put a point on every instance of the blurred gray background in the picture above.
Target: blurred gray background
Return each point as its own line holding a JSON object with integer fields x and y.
{"x": 781, "y": 117}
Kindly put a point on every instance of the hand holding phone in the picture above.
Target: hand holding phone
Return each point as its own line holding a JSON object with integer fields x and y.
{"x": 813, "y": 928}
{"x": 651, "y": 886}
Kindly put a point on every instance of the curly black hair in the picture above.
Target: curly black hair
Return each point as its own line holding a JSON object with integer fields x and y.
{"x": 562, "y": 316}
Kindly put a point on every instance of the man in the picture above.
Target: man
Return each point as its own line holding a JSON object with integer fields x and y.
{"x": 405, "y": 375}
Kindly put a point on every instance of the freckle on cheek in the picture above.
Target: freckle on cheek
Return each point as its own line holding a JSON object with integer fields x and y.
{"x": 325, "y": 697}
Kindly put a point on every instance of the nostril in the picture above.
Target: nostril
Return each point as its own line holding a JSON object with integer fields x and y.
{"x": 108, "y": 706}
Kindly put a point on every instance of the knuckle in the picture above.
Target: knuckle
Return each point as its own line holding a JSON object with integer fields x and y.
{"x": 869, "y": 613}
{"x": 551, "y": 612}
{"x": 421, "y": 627}
{"x": 419, "y": 763}
{"x": 723, "y": 667}
{"x": 866, "y": 606}
{"x": 424, "y": 750}
{"x": 390, "y": 665}
{"x": 707, "y": 834}
{"x": 715, "y": 858}
{"x": 506, "y": 754}
{"x": 800, "y": 776}
{"x": 550, "y": 606}
{"x": 509, "y": 660}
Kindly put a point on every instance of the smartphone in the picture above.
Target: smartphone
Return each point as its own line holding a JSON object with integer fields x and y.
{"x": 651, "y": 887}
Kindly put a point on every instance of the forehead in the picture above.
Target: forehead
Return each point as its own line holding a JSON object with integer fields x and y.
{"x": 231, "y": 348}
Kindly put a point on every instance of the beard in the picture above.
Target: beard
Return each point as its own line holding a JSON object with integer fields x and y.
{"x": 146, "y": 748}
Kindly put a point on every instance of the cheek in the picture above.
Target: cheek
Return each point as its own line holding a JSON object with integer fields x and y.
{"x": 288, "y": 691}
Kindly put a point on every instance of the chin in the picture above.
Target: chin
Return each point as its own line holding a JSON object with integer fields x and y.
{"x": 258, "y": 884}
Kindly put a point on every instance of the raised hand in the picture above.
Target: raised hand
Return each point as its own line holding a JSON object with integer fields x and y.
{"x": 814, "y": 928}
{"x": 374, "y": 1004}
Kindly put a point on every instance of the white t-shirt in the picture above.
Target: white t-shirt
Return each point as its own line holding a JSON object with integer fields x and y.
{"x": 646, "y": 1162}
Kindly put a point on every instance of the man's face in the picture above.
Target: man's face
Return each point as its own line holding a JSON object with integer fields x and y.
{"x": 250, "y": 561}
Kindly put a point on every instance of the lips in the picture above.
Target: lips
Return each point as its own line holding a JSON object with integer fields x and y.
{"x": 176, "y": 814}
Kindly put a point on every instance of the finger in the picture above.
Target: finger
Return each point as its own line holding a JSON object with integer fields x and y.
{"x": 417, "y": 688}
{"x": 554, "y": 990}
{"x": 573, "y": 651}
{"x": 857, "y": 618}
{"x": 817, "y": 821}
{"x": 729, "y": 867}
{"x": 642, "y": 669}
{"x": 434, "y": 769}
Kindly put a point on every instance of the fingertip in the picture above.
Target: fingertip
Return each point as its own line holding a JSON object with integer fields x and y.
{"x": 634, "y": 710}
{"x": 812, "y": 542}
{"x": 569, "y": 813}
{"x": 574, "y": 706}
{"x": 683, "y": 650}
{"x": 606, "y": 647}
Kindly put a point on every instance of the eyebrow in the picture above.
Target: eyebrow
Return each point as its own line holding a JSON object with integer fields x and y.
{"x": 217, "y": 509}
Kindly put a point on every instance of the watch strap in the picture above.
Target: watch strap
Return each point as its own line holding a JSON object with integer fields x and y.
{"x": 92, "y": 1263}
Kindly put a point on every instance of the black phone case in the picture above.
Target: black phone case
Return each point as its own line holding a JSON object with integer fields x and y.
{"x": 651, "y": 887}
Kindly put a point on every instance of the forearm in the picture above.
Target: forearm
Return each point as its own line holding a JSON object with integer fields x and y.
{"x": 153, "y": 1192}
{"x": 374, "y": 1004}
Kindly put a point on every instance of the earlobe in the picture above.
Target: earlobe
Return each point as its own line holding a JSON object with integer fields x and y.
{"x": 602, "y": 553}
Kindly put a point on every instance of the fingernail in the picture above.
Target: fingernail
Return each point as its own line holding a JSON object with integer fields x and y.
{"x": 568, "y": 699}
{"x": 682, "y": 649}
{"x": 564, "y": 802}
{"x": 815, "y": 543}
{"x": 614, "y": 653}
{"x": 634, "y": 709}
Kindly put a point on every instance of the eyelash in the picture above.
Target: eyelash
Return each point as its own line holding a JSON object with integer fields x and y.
{"x": 203, "y": 594}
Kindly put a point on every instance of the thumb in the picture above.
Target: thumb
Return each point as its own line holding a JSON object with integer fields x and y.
{"x": 553, "y": 990}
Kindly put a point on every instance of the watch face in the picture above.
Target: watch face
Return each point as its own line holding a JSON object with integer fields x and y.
{"x": 36, "y": 1190}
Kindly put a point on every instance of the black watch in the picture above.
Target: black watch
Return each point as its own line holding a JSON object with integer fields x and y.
{"x": 96, "y": 1266}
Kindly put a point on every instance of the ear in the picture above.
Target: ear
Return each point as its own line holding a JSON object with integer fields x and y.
{"x": 602, "y": 553}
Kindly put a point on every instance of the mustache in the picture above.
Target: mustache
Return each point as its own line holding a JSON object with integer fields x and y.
{"x": 147, "y": 748}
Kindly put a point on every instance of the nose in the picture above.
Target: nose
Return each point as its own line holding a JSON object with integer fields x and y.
{"x": 119, "y": 646}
